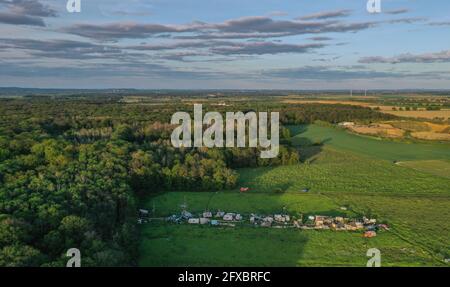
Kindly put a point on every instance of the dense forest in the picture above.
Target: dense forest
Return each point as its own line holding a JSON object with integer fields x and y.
{"x": 72, "y": 171}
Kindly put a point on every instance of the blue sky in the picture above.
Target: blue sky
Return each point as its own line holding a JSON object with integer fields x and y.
{"x": 245, "y": 44}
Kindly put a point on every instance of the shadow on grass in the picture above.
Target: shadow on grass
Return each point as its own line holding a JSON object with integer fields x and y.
{"x": 308, "y": 148}
{"x": 205, "y": 246}
{"x": 297, "y": 129}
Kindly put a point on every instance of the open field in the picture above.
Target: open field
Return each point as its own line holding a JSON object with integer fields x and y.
{"x": 419, "y": 114}
{"x": 353, "y": 174}
{"x": 388, "y": 150}
{"x": 431, "y": 136}
{"x": 181, "y": 245}
{"x": 256, "y": 201}
{"x": 413, "y": 126}
{"x": 349, "y": 170}
{"x": 436, "y": 167}
{"x": 404, "y": 129}
{"x": 416, "y": 238}
{"x": 383, "y": 130}
{"x": 421, "y": 220}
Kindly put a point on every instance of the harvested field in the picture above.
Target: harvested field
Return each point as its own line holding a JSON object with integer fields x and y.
{"x": 424, "y": 130}
{"x": 437, "y": 128}
{"x": 383, "y": 130}
{"x": 431, "y": 136}
{"x": 411, "y": 126}
{"x": 420, "y": 114}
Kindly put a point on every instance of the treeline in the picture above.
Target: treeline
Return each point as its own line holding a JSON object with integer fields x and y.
{"x": 309, "y": 113}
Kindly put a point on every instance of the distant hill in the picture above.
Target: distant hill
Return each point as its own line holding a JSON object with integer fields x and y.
{"x": 14, "y": 91}
{"x": 21, "y": 92}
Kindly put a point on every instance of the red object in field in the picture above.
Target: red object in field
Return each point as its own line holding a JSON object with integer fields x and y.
{"x": 369, "y": 234}
{"x": 244, "y": 189}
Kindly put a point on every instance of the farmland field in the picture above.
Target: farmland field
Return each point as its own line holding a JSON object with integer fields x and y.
{"x": 347, "y": 170}
{"x": 381, "y": 149}
{"x": 420, "y": 114}
{"x": 202, "y": 246}
{"x": 436, "y": 167}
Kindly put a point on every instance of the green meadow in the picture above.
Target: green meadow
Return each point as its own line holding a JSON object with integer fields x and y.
{"x": 436, "y": 167}
{"x": 182, "y": 245}
{"x": 371, "y": 146}
{"x": 345, "y": 170}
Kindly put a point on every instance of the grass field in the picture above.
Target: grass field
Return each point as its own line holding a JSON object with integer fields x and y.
{"x": 181, "y": 245}
{"x": 436, "y": 167}
{"x": 380, "y": 149}
{"x": 349, "y": 170}
{"x": 245, "y": 203}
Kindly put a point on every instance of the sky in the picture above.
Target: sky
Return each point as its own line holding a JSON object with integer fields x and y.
{"x": 225, "y": 44}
